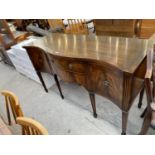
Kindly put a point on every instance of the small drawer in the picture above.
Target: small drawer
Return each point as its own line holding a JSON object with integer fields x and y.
{"x": 76, "y": 67}
{"x": 72, "y": 66}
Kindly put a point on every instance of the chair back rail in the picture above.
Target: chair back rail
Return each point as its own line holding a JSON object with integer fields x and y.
{"x": 31, "y": 127}
{"x": 149, "y": 112}
{"x": 56, "y": 23}
{"x": 12, "y": 103}
{"x": 77, "y": 26}
{"x": 148, "y": 76}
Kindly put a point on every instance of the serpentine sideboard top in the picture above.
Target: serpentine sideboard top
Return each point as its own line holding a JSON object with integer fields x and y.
{"x": 123, "y": 53}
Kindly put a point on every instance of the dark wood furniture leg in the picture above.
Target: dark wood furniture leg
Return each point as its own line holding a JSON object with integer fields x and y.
{"x": 141, "y": 98}
{"x": 146, "y": 122}
{"x": 127, "y": 91}
{"x": 92, "y": 99}
{"x": 42, "y": 81}
{"x": 143, "y": 114}
{"x": 58, "y": 85}
{"x": 124, "y": 122}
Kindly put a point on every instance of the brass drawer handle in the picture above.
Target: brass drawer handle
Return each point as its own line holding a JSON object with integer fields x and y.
{"x": 106, "y": 83}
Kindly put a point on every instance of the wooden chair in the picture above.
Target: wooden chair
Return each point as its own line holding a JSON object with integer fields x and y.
{"x": 142, "y": 92}
{"x": 41, "y": 63}
{"x": 12, "y": 102}
{"x": 7, "y": 38}
{"x": 77, "y": 26}
{"x": 149, "y": 115}
{"x": 31, "y": 127}
{"x": 56, "y": 24}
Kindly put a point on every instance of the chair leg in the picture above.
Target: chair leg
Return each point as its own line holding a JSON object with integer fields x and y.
{"x": 141, "y": 98}
{"x": 42, "y": 81}
{"x": 92, "y": 99}
{"x": 146, "y": 122}
{"x": 8, "y": 111}
{"x": 58, "y": 85}
{"x": 13, "y": 111}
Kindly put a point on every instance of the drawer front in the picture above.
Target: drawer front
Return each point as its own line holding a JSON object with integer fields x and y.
{"x": 72, "y": 77}
{"x": 70, "y": 65}
{"x": 70, "y": 70}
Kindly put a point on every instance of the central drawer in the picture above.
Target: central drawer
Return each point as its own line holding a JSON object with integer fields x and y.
{"x": 70, "y": 65}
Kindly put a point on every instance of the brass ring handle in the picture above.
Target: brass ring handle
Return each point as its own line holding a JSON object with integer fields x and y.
{"x": 106, "y": 83}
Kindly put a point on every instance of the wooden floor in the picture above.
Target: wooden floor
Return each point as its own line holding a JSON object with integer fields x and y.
{"x": 3, "y": 128}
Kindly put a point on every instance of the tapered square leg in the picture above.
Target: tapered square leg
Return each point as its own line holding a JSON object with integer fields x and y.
{"x": 143, "y": 114}
{"x": 124, "y": 122}
{"x": 58, "y": 85}
{"x": 92, "y": 99}
{"x": 42, "y": 81}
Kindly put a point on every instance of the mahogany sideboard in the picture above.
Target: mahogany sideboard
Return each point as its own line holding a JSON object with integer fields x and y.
{"x": 112, "y": 67}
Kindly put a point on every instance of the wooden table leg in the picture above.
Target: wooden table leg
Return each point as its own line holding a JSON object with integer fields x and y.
{"x": 144, "y": 112}
{"x": 124, "y": 122}
{"x": 126, "y": 102}
{"x": 92, "y": 99}
{"x": 58, "y": 85}
{"x": 42, "y": 81}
